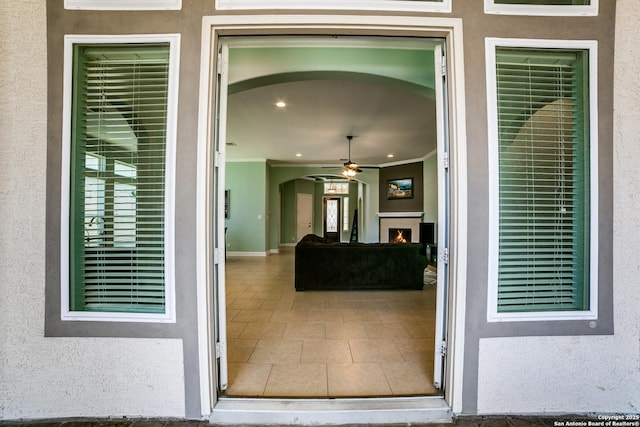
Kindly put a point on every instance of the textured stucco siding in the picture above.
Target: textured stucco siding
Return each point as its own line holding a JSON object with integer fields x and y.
{"x": 587, "y": 374}
{"x": 55, "y": 377}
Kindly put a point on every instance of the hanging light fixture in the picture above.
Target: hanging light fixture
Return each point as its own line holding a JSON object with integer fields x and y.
{"x": 350, "y": 168}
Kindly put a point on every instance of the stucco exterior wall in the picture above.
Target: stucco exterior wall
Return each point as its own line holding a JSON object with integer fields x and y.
{"x": 55, "y": 377}
{"x": 586, "y": 374}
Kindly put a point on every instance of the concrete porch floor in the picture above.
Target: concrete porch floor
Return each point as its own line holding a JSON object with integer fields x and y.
{"x": 470, "y": 421}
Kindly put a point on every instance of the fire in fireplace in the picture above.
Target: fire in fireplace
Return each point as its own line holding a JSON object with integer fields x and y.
{"x": 399, "y": 235}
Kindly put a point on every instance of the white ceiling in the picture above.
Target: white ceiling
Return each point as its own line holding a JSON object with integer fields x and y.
{"x": 373, "y": 94}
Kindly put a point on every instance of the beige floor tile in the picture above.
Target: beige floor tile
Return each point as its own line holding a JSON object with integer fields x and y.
{"x": 239, "y": 350}
{"x": 324, "y": 316}
{"x": 414, "y": 344}
{"x": 272, "y": 295}
{"x": 421, "y": 329}
{"x": 237, "y": 294}
{"x": 357, "y": 379}
{"x": 409, "y": 301}
{"x": 314, "y": 297}
{"x": 326, "y": 351}
{"x": 409, "y": 378}
{"x": 234, "y": 329}
{"x": 270, "y": 304}
{"x": 308, "y": 305}
{"x": 398, "y": 316}
{"x": 253, "y": 316}
{"x": 297, "y": 380}
{"x": 370, "y": 350}
{"x": 360, "y": 316}
{"x": 246, "y": 304}
{"x": 358, "y": 336}
{"x": 304, "y": 331}
{"x": 289, "y": 316}
{"x": 235, "y": 286}
{"x": 268, "y": 330}
{"x": 386, "y": 330}
{"x": 416, "y": 349}
{"x": 277, "y": 351}
{"x": 340, "y": 305}
{"x": 231, "y": 314}
{"x": 348, "y": 330}
{"x": 247, "y": 379}
{"x": 373, "y": 304}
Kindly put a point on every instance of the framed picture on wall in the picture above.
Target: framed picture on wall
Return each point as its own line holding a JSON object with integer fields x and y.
{"x": 400, "y": 189}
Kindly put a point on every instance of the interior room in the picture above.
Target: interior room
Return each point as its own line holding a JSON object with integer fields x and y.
{"x": 333, "y": 139}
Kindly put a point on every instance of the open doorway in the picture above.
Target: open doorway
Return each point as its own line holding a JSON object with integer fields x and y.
{"x": 285, "y": 344}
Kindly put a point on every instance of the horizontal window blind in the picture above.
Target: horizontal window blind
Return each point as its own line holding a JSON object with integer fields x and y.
{"x": 547, "y": 2}
{"x": 543, "y": 180}
{"x": 117, "y": 237}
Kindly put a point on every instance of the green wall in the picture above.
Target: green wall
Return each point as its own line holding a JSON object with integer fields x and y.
{"x": 246, "y": 227}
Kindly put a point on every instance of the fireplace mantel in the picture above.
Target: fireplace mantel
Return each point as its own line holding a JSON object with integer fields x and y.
{"x": 400, "y": 214}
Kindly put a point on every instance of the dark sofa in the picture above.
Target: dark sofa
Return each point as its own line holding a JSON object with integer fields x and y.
{"x": 357, "y": 266}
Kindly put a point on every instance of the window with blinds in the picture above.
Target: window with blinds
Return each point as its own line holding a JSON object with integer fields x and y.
{"x": 118, "y": 181}
{"x": 546, "y": 2}
{"x": 442, "y": 6}
{"x": 543, "y": 179}
{"x": 542, "y": 7}
{"x": 123, "y": 4}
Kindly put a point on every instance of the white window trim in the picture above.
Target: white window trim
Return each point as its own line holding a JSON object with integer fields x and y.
{"x": 491, "y": 7}
{"x": 169, "y": 316}
{"x": 390, "y": 5}
{"x": 492, "y": 115}
{"x": 123, "y": 4}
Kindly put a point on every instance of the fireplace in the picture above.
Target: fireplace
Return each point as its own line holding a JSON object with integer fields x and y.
{"x": 399, "y": 235}
{"x": 408, "y": 222}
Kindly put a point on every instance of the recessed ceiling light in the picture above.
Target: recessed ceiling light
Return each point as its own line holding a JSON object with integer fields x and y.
{"x": 281, "y": 104}
{"x": 390, "y": 156}
{"x": 298, "y": 155}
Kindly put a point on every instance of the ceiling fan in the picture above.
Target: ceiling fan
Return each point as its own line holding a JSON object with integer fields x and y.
{"x": 350, "y": 168}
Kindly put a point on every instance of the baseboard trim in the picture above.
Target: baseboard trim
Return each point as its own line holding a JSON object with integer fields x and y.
{"x": 242, "y": 253}
{"x": 397, "y": 410}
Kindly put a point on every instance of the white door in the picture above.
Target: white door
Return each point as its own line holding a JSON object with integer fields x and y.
{"x": 304, "y": 214}
{"x": 219, "y": 297}
{"x": 443, "y": 217}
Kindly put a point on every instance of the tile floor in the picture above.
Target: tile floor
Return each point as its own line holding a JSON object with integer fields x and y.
{"x": 283, "y": 343}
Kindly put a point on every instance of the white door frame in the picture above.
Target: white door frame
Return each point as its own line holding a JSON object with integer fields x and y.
{"x": 448, "y": 28}
{"x": 439, "y": 354}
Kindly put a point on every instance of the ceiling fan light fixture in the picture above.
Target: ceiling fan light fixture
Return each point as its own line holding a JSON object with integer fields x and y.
{"x": 350, "y": 168}
{"x": 349, "y": 173}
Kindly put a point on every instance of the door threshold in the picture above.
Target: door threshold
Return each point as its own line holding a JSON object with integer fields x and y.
{"x": 393, "y": 410}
